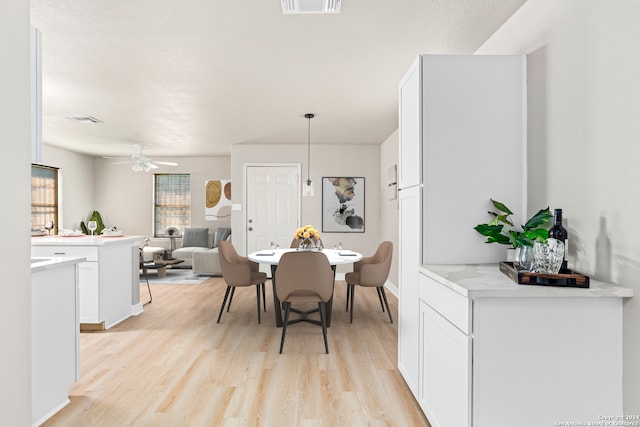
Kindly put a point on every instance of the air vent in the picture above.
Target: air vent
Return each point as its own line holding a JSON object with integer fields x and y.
{"x": 290, "y": 7}
{"x": 84, "y": 119}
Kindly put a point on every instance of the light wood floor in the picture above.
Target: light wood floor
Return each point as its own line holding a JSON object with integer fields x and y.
{"x": 174, "y": 366}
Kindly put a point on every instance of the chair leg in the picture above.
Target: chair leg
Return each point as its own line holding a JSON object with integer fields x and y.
{"x": 233, "y": 291}
{"x": 384, "y": 295}
{"x": 323, "y": 321}
{"x": 348, "y": 293}
{"x": 264, "y": 298}
{"x": 258, "y": 300}
{"x": 287, "y": 308}
{"x": 380, "y": 298}
{"x": 353, "y": 291}
{"x": 224, "y": 301}
{"x": 146, "y": 276}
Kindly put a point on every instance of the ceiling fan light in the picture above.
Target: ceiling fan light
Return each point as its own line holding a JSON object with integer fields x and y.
{"x": 290, "y": 7}
{"x": 137, "y": 167}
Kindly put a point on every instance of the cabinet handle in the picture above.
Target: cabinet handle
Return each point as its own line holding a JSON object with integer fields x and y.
{"x": 59, "y": 253}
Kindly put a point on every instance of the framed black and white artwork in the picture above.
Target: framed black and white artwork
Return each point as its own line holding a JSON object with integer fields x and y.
{"x": 343, "y": 205}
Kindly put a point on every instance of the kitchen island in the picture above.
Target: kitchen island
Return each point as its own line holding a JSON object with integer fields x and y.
{"x": 493, "y": 353}
{"x": 109, "y": 278}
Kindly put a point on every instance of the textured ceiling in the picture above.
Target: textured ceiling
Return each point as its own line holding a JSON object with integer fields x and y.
{"x": 193, "y": 77}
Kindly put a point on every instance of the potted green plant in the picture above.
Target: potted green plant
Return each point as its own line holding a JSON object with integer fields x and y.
{"x": 503, "y": 231}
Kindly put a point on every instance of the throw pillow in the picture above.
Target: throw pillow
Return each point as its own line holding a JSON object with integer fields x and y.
{"x": 195, "y": 237}
{"x": 220, "y": 235}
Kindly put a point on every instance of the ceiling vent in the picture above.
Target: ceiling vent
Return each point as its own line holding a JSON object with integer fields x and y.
{"x": 290, "y": 7}
{"x": 84, "y": 119}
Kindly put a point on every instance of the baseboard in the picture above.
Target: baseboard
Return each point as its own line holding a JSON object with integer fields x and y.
{"x": 137, "y": 309}
{"x": 392, "y": 288}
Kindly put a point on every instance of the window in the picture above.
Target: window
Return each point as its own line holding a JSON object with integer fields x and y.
{"x": 172, "y": 202}
{"x": 44, "y": 197}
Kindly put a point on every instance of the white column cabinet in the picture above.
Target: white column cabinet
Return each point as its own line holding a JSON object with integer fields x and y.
{"x": 408, "y": 321}
{"x": 409, "y": 128}
{"x": 461, "y": 142}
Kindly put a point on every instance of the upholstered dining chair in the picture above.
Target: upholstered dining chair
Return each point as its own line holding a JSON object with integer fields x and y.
{"x": 371, "y": 272}
{"x": 304, "y": 277}
{"x": 239, "y": 271}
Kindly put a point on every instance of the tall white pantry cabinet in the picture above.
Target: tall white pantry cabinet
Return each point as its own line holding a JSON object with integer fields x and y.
{"x": 462, "y": 141}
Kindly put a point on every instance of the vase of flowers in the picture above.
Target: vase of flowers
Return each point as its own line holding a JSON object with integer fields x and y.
{"x": 307, "y": 236}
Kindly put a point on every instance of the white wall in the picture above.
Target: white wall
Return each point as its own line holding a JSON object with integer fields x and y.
{"x": 326, "y": 160}
{"x": 389, "y": 208}
{"x": 15, "y": 173}
{"x": 584, "y": 135}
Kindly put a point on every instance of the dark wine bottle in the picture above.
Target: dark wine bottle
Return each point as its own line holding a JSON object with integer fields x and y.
{"x": 560, "y": 233}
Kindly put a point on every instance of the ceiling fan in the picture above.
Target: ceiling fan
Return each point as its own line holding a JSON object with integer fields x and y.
{"x": 140, "y": 161}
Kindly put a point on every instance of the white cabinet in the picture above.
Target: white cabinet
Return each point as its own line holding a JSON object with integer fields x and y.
{"x": 473, "y": 139}
{"x": 445, "y": 370}
{"x": 461, "y": 142}
{"x": 491, "y": 350}
{"x": 55, "y": 346}
{"x": 89, "y": 291}
{"x": 409, "y": 129}
{"x": 408, "y": 321}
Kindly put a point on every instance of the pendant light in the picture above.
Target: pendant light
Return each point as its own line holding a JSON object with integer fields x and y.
{"x": 307, "y": 188}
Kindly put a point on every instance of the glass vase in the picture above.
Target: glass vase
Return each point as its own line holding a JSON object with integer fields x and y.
{"x": 306, "y": 245}
{"x": 524, "y": 259}
{"x": 548, "y": 256}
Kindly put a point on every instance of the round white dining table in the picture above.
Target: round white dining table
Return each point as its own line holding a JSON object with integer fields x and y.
{"x": 272, "y": 258}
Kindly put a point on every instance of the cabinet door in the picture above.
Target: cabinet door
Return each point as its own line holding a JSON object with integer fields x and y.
{"x": 409, "y": 130}
{"x": 89, "y": 293}
{"x": 408, "y": 310}
{"x": 445, "y": 370}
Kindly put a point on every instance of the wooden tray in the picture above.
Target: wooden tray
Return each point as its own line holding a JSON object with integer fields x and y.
{"x": 571, "y": 279}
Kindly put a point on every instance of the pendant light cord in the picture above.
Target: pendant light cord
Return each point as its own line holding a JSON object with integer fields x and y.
{"x": 309, "y": 116}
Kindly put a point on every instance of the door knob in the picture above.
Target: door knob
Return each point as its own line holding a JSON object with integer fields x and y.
{"x": 250, "y": 221}
{"x": 250, "y": 229}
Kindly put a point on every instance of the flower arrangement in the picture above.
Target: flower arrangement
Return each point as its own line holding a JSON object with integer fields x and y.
{"x": 307, "y": 233}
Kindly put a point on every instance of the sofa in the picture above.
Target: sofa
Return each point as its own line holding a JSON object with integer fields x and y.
{"x": 200, "y": 250}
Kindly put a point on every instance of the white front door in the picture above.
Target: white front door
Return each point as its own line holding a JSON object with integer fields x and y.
{"x": 273, "y": 205}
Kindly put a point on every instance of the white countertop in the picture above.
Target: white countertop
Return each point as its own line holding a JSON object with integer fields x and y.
{"x": 486, "y": 280}
{"x": 86, "y": 240}
{"x": 47, "y": 263}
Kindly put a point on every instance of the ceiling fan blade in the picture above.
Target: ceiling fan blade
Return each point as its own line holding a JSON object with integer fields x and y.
{"x": 120, "y": 163}
{"x": 151, "y": 165}
{"x": 166, "y": 163}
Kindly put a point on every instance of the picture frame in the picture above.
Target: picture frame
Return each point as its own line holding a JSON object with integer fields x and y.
{"x": 343, "y": 204}
{"x": 217, "y": 199}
